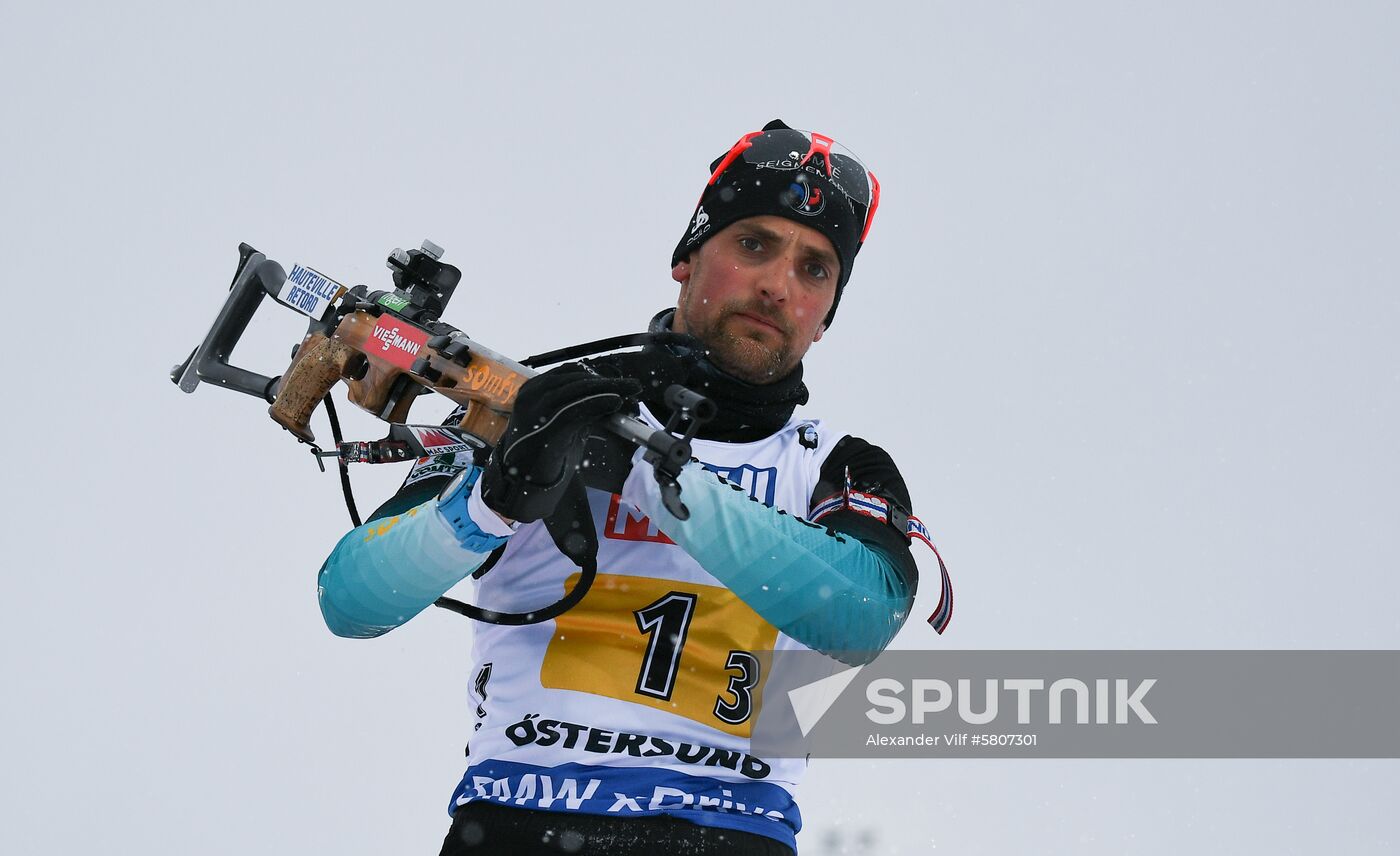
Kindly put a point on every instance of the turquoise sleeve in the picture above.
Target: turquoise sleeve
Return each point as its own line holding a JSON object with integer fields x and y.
{"x": 385, "y": 572}
{"x": 828, "y": 591}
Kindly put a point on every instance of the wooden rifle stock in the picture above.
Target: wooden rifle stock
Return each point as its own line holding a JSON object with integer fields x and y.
{"x": 361, "y": 352}
{"x": 318, "y": 364}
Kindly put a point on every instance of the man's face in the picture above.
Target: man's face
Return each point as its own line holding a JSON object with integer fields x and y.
{"x": 757, "y": 294}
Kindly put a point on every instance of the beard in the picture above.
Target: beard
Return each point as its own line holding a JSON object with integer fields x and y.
{"x": 743, "y": 351}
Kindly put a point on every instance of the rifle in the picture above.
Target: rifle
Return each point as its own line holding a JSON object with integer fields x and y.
{"x": 390, "y": 347}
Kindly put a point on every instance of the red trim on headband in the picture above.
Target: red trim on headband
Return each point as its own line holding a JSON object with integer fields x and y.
{"x": 819, "y": 144}
{"x": 874, "y": 203}
{"x": 744, "y": 142}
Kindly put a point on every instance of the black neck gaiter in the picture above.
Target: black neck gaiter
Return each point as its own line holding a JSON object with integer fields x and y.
{"x": 747, "y": 412}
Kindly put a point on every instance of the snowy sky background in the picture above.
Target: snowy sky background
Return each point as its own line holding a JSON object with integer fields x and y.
{"x": 1127, "y": 320}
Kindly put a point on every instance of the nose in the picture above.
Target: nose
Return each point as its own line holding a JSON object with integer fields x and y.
{"x": 775, "y": 279}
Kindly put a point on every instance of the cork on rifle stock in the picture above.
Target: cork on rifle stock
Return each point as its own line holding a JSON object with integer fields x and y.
{"x": 319, "y": 363}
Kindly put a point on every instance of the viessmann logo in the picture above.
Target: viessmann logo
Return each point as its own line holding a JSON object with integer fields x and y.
{"x": 399, "y": 342}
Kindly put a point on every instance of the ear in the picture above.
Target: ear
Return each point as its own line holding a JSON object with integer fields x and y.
{"x": 820, "y": 331}
{"x": 681, "y": 272}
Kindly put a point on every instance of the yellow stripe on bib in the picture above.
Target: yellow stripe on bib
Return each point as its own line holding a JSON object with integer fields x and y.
{"x": 621, "y": 641}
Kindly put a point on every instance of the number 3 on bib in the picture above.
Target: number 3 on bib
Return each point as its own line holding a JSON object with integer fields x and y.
{"x": 680, "y": 647}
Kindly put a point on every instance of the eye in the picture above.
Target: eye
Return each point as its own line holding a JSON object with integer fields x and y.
{"x": 817, "y": 270}
{"x": 750, "y": 243}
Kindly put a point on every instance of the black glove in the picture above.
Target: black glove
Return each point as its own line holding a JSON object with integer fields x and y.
{"x": 669, "y": 358}
{"x": 543, "y": 444}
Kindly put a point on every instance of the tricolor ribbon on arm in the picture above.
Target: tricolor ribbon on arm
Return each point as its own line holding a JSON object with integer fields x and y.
{"x": 880, "y": 509}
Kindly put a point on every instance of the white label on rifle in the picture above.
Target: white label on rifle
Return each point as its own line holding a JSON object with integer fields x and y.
{"x": 435, "y": 441}
{"x": 309, "y": 291}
